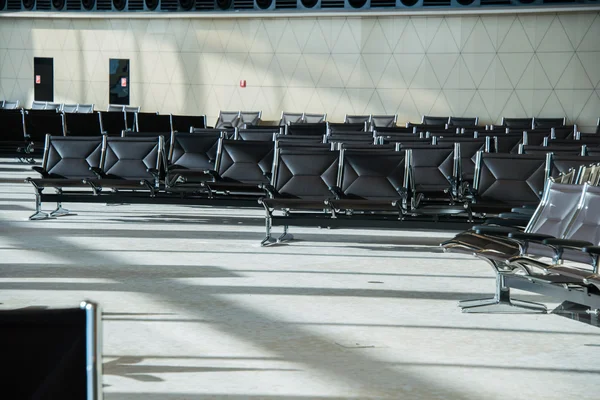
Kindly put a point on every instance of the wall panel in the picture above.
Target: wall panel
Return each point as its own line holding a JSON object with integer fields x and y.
{"x": 489, "y": 65}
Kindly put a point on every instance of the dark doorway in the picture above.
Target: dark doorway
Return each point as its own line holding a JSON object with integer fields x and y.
{"x": 118, "y": 81}
{"x": 43, "y": 76}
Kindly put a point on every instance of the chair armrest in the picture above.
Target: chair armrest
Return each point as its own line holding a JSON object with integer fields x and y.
{"x": 336, "y": 191}
{"x": 506, "y": 222}
{"x": 591, "y": 250}
{"x": 41, "y": 171}
{"x": 530, "y": 236}
{"x": 567, "y": 243}
{"x": 98, "y": 172}
{"x": 513, "y": 215}
{"x": 155, "y": 173}
{"x": 524, "y": 211}
{"x": 269, "y": 190}
{"x": 493, "y": 230}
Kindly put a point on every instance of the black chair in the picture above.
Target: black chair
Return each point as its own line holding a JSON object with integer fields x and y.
{"x": 314, "y": 118}
{"x": 241, "y": 168}
{"x": 333, "y": 127}
{"x": 305, "y": 129}
{"x": 227, "y": 119}
{"x": 12, "y": 136}
{"x": 153, "y": 122}
{"x": 249, "y": 118}
{"x": 183, "y": 123}
{"x": 503, "y": 181}
{"x": 290, "y": 118}
{"x": 371, "y": 181}
{"x": 517, "y": 123}
{"x": 82, "y": 124}
{"x": 463, "y": 122}
{"x": 302, "y": 180}
{"x": 39, "y": 123}
{"x": 112, "y": 122}
{"x": 430, "y": 120}
{"x": 357, "y": 119}
{"x": 52, "y": 353}
{"x": 263, "y": 134}
{"x": 383, "y": 121}
{"x": 432, "y": 176}
{"x": 191, "y": 160}
{"x": 549, "y": 122}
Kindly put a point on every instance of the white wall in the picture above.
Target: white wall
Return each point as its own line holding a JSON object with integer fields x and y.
{"x": 486, "y": 66}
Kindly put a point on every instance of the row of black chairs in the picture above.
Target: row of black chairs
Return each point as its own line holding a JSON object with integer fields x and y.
{"x": 22, "y": 132}
{"x": 448, "y": 183}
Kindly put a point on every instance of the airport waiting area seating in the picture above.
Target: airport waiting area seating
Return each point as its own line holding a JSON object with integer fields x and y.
{"x": 529, "y": 248}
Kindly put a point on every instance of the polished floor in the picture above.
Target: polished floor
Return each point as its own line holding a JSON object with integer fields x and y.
{"x": 194, "y": 308}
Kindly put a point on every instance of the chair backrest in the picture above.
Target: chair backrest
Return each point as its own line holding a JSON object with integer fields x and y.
{"x": 566, "y": 150}
{"x": 183, "y": 123}
{"x": 557, "y": 207}
{"x": 11, "y": 125}
{"x": 305, "y": 173}
{"x": 357, "y": 119}
{"x": 115, "y": 107}
{"x": 227, "y": 119}
{"x": 585, "y": 225}
{"x": 463, "y": 122}
{"x": 53, "y": 353}
{"x": 509, "y": 179}
{"x": 72, "y": 157}
{"x": 287, "y": 118}
{"x": 563, "y": 132}
{"x": 194, "y": 151}
{"x": 562, "y": 163}
{"x": 349, "y": 138}
{"x": 304, "y": 129}
{"x": 314, "y": 118}
{"x": 245, "y": 161}
{"x": 431, "y": 120}
{"x": 249, "y": 118}
{"x": 517, "y": 123}
{"x": 85, "y": 108}
{"x": 373, "y": 175}
{"x": 432, "y": 169}
{"x": 152, "y": 122}
{"x": 38, "y": 105}
{"x": 333, "y": 127}
{"x": 131, "y": 157}
{"x": 263, "y": 134}
{"x": 508, "y": 143}
{"x": 38, "y": 123}
{"x": 383, "y": 121}
{"x": 113, "y": 122}
{"x": 77, "y": 124}
{"x": 10, "y": 105}
{"x": 549, "y": 122}
{"x": 68, "y": 108}
{"x": 131, "y": 109}
{"x": 53, "y": 106}
{"x": 536, "y": 137}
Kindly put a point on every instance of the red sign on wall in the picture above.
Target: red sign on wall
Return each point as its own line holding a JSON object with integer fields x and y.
{"x": 123, "y": 82}
{"x": 38, "y": 79}
{"x": 243, "y": 83}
